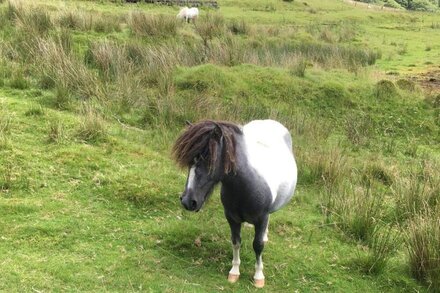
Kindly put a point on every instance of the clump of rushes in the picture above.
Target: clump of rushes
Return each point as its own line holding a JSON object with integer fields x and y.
{"x": 423, "y": 245}
{"x": 150, "y": 25}
{"x": 92, "y": 127}
{"x": 5, "y": 129}
{"x": 35, "y": 110}
{"x": 354, "y": 209}
{"x": 56, "y": 131}
{"x": 417, "y": 191}
{"x": 382, "y": 245}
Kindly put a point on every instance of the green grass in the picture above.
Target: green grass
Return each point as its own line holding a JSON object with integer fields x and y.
{"x": 90, "y": 107}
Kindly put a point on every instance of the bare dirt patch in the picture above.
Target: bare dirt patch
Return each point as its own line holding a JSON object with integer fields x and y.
{"x": 429, "y": 81}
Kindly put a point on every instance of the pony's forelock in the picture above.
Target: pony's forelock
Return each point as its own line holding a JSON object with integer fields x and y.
{"x": 203, "y": 139}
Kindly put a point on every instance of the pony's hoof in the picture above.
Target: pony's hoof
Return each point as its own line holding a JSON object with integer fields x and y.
{"x": 233, "y": 278}
{"x": 259, "y": 283}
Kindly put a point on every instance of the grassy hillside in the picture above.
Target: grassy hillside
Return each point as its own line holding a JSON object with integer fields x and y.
{"x": 94, "y": 93}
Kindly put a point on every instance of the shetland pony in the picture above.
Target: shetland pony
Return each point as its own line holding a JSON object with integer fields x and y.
{"x": 256, "y": 168}
{"x": 188, "y": 14}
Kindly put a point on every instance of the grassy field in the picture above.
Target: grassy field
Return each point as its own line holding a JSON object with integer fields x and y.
{"x": 93, "y": 95}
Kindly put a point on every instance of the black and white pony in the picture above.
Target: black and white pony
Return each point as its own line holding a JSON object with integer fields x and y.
{"x": 256, "y": 168}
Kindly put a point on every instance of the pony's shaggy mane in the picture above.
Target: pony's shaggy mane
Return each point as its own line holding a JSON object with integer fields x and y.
{"x": 201, "y": 140}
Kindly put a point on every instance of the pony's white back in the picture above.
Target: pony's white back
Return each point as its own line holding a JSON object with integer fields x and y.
{"x": 182, "y": 13}
{"x": 269, "y": 150}
{"x": 188, "y": 13}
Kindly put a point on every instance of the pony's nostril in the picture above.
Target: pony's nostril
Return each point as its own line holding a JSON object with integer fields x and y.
{"x": 193, "y": 204}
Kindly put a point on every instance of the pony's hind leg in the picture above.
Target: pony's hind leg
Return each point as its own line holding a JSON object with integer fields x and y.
{"x": 266, "y": 232}
{"x": 234, "y": 273}
{"x": 258, "y": 244}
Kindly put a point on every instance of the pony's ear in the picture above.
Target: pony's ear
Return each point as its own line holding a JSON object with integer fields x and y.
{"x": 188, "y": 123}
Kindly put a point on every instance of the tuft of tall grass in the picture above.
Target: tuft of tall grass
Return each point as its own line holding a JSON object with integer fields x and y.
{"x": 417, "y": 192}
{"x": 210, "y": 26}
{"x": 62, "y": 99}
{"x": 35, "y": 110}
{"x": 325, "y": 167}
{"x": 107, "y": 57}
{"x": 6, "y": 177}
{"x": 359, "y": 127}
{"x": 299, "y": 66}
{"x": 92, "y": 127}
{"x": 106, "y": 24}
{"x": 65, "y": 40}
{"x": 35, "y": 21}
{"x": 382, "y": 245}
{"x": 76, "y": 20}
{"x": 270, "y": 53}
{"x": 5, "y": 130}
{"x": 55, "y": 131}
{"x": 150, "y": 25}
{"x": 66, "y": 70}
{"x": 355, "y": 210}
{"x": 18, "y": 80}
{"x": 423, "y": 245}
{"x": 226, "y": 51}
{"x": 385, "y": 89}
{"x": 239, "y": 27}
{"x": 375, "y": 171}
{"x": 14, "y": 10}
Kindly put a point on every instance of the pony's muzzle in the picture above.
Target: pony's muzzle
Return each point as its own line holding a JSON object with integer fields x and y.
{"x": 188, "y": 203}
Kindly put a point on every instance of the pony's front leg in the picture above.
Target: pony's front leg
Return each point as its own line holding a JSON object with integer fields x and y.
{"x": 258, "y": 244}
{"x": 234, "y": 273}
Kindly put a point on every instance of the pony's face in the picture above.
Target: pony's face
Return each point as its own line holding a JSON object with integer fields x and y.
{"x": 199, "y": 185}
